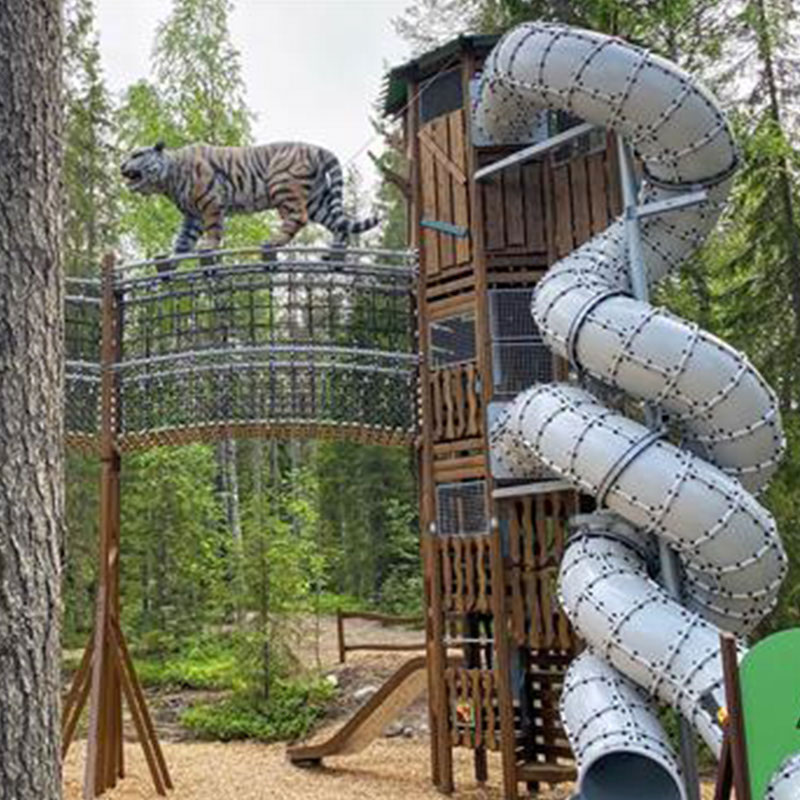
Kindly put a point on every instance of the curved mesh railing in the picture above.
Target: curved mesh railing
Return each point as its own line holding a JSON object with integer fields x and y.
{"x": 231, "y": 344}
{"x": 82, "y": 312}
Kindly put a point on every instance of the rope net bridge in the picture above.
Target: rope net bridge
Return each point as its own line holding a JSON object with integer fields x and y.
{"x": 296, "y": 347}
{"x": 214, "y": 346}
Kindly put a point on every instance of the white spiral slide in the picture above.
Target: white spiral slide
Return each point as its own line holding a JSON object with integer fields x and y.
{"x": 691, "y": 482}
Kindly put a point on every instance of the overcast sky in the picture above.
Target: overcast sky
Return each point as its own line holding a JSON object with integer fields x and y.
{"x": 313, "y": 68}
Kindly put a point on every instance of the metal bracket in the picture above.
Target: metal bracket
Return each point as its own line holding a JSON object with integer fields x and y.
{"x": 445, "y": 227}
{"x": 670, "y": 204}
{"x": 536, "y": 150}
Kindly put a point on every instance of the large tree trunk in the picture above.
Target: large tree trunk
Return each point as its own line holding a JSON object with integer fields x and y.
{"x": 31, "y": 441}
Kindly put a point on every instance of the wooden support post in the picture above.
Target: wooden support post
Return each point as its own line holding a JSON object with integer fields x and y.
{"x": 106, "y": 670}
{"x": 340, "y": 636}
{"x": 722, "y": 791}
{"x": 437, "y": 654}
{"x": 441, "y": 747}
{"x": 508, "y": 745}
{"x": 733, "y": 771}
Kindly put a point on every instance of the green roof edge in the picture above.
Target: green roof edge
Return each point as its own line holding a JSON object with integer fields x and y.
{"x": 428, "y": 64}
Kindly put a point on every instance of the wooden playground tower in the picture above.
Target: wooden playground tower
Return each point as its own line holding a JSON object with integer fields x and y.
{"x": 491, "y": 545}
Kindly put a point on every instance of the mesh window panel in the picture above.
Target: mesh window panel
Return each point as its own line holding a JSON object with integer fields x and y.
{"x": 453, "y": 340}
{"x": 519, "y": 356}
{"x": 461, "y": 508}
{"x": 441, "y": 95}
{"x": 518, "y": 365}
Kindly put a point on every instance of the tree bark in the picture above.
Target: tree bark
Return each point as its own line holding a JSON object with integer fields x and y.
{"x": 31, "y": 394}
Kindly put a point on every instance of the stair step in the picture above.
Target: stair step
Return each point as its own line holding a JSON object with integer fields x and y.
{"x": 537, "y": 772}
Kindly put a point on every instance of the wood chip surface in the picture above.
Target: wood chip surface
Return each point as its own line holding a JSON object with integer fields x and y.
{"x": 389, "y": 769}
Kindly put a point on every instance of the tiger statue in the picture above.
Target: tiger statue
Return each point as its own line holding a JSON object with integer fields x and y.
{"x": 302, "y": 181}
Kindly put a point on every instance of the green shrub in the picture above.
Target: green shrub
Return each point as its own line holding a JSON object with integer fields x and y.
{"x": 70, "y": 661}
{"x": 402, "y": 594}
{"x": 330, "y": 603}
{"x": 198, "y": 663}
{"x": 157, "y": 643}
{"x": 669, "y": 719}
{"x": 291, "y": 710}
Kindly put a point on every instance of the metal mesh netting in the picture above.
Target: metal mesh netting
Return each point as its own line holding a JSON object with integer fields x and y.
{"x": 452, "y": 340}
{"x": 519, "y": 355}
{"x": 295, "y": 342}
{"x": 82, "y": 349}
{"x": 461, "y": 508}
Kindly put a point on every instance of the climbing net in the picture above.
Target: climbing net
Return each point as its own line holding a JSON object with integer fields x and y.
{"x": 294, "y": 346}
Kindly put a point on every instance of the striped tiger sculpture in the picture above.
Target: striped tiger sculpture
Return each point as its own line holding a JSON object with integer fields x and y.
{"x": 302, "y": 182}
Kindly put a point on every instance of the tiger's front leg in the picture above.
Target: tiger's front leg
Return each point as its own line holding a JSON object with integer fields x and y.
{"x": 212, "y": 226}
{"x": 185, "y": 241}
{"x": 188, "y": 234}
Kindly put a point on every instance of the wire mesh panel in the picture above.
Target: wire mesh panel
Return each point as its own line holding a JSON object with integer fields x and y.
{"x": 461, "y": 508}
{"x": 452, "y": 340}
{"x": 519, "y": 356}
{"x": 295, "y": 341}
{"x": 82, "y": 354}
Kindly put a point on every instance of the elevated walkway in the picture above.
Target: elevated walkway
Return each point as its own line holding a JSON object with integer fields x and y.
{"x": 231, "y": 344}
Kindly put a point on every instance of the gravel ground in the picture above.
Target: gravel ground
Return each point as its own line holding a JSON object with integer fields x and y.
{"x": 390, "y": 769}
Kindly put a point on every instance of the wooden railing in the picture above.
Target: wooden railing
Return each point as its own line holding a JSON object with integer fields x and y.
{"x": 384, "y": 619}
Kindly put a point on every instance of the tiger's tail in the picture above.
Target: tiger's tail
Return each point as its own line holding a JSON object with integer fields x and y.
{"x": 335, "y": 217}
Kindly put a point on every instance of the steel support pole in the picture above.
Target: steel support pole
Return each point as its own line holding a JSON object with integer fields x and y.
{"x": 670, "y": 568}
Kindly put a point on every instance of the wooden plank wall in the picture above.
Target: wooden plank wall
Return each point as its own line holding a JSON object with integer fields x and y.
{"x": 586, "y": 197}
{"x": 536, "y": 213}
{"x": 536, "y": 528}
{"x": 457, "y": 406}
{"x": 514, "y": 204}
{"x": 443, "y": 161}
{"x": 520, "y": 222}
{"x": 474, "y": 713}
{"x": 466, "y": 576}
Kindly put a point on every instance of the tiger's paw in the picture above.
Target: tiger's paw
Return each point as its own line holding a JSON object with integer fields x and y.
{"x": 207, "y": 260}
{"x": 336, "y": 255}
{"x": 164, "y": 265}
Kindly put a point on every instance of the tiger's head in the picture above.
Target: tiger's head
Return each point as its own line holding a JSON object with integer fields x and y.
{"x": 145, "y": 170}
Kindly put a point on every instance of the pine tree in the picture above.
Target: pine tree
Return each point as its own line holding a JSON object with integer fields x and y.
{"x": 90, "y": 224}
{"x": 196, "y": 95}
{"x": 90, "y": 160}
{"x": 426, "y": 24}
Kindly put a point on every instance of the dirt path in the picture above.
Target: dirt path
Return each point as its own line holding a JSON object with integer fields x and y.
{"x": 396, "y": 768}
{"x": 357, "y": 631}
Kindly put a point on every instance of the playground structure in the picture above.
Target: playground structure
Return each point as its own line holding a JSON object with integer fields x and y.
{"x": 287, "y": 348}
{"x": 446, "y": 352}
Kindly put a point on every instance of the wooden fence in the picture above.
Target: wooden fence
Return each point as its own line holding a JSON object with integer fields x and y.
{"x": 384, "y": 619}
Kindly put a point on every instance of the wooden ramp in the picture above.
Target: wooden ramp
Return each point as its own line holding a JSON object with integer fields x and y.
{"x": 399, "y": 692}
